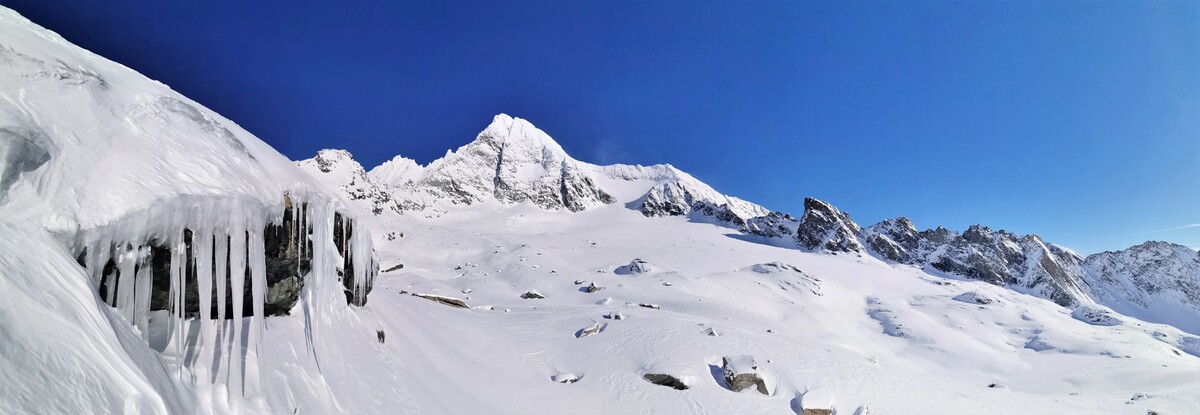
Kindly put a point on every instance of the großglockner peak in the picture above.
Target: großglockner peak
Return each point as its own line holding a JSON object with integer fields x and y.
{"x": 512, "y": 161}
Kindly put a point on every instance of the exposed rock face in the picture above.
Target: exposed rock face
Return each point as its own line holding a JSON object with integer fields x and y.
{"x": 772, "y": 225}
{"x": 893, "y": 239}
{"x": 1156, "y": 281}
{"x": 997, "y": 257}
{"x": 741, "y": 372}
{"x": 824, "y": 227}
{"x": 1152, "y": 271}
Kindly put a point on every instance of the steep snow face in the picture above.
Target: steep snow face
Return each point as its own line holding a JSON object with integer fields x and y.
{"x": 127, "y": 211}
{"x": 511, "y": 161}
{"x": 673, "y": 192}
{"x": 338, "y": 170}
{"x": 1156, "y": 281}
{"x": 399, "y": 171}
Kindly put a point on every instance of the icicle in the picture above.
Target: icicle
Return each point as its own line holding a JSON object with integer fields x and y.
{"x": 258, "y": 280}
{"x": 179, "y": 272}
{"x": 202, "y": 251}
{"x": 126, "y": 264}
{"x": 221, "y": 260}
{"x": 143, "y": 286}
{"x": 237, "y": 279}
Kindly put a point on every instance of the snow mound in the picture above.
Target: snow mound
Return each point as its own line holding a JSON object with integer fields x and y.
{"x": 1096, "y": 315}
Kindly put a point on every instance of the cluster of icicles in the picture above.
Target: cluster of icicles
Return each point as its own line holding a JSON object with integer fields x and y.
{"x": 120, "y": 260}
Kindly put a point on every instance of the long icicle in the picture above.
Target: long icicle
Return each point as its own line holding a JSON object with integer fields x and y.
{"x": 237, "y": 279}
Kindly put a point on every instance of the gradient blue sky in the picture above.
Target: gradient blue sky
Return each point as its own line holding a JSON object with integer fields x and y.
{"x": 1078, "y": 121}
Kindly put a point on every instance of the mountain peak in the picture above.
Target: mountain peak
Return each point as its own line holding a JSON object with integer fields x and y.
{"x": 506, "y": 131}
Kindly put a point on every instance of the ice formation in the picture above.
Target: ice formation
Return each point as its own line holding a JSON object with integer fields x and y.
{"x": 190, "y": 246}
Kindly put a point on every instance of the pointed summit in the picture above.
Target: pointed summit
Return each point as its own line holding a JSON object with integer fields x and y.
{"x": 512, "y": 161}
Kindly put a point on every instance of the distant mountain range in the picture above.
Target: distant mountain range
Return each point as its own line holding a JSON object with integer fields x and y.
{"x": 511, "y": 161}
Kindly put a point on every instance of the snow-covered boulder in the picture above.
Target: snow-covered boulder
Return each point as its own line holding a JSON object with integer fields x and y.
{"x": 817, "y": 401}
{"x": 637, "y": 266}
{"x": 1096, "y": 315}
{"x": 741, "y": 373}
{"x": 532, "y": 295}
{"x": 975, "y": 297}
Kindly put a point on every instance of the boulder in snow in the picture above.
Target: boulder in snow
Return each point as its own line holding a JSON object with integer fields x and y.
{"x": 741, "y": 373}
{"x": 666, "y": 380}
{"x": 817, "y": 401}
{"x": 595, "y": 328}
{"x": 1096, "y": 315}
{"x": 637, "y": 266}
{"x": 444, "y": 300}
{"x": 532, "y": 295}
{"x": 975, "y": 297}
{"x": 565, "y": 377}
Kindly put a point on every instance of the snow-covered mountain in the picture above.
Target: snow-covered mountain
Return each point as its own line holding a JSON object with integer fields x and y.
{"x": 1156, "y": 281}
{"x": 1021, "y": 262}
{"x": 511, "y": 161}
{"x": 156, "y": 258}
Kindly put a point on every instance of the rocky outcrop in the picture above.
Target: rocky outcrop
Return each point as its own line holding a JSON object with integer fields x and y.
{"x": 824, "y": 227}
{"x": 893, "y": 239}
{"x": 772, "y": 225}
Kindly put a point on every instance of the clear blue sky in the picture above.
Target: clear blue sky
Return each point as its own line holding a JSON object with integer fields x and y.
{"x": 1078, "y": 121}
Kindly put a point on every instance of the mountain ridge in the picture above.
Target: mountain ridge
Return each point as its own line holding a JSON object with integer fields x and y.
{"x": 537, "y": 169}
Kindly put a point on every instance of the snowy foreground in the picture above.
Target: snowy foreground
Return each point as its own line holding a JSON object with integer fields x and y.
{"x": 508, "y": 278}
{"x": 894, "y": 339}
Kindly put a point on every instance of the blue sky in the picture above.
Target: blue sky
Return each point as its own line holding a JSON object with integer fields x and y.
{"x": 1078, "y": 121}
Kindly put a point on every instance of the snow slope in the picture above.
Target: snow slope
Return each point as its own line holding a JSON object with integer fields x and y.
{"x": 889, "y": 337}
{"x": 865, "y": 331}
{"x": 117, "y": 195}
